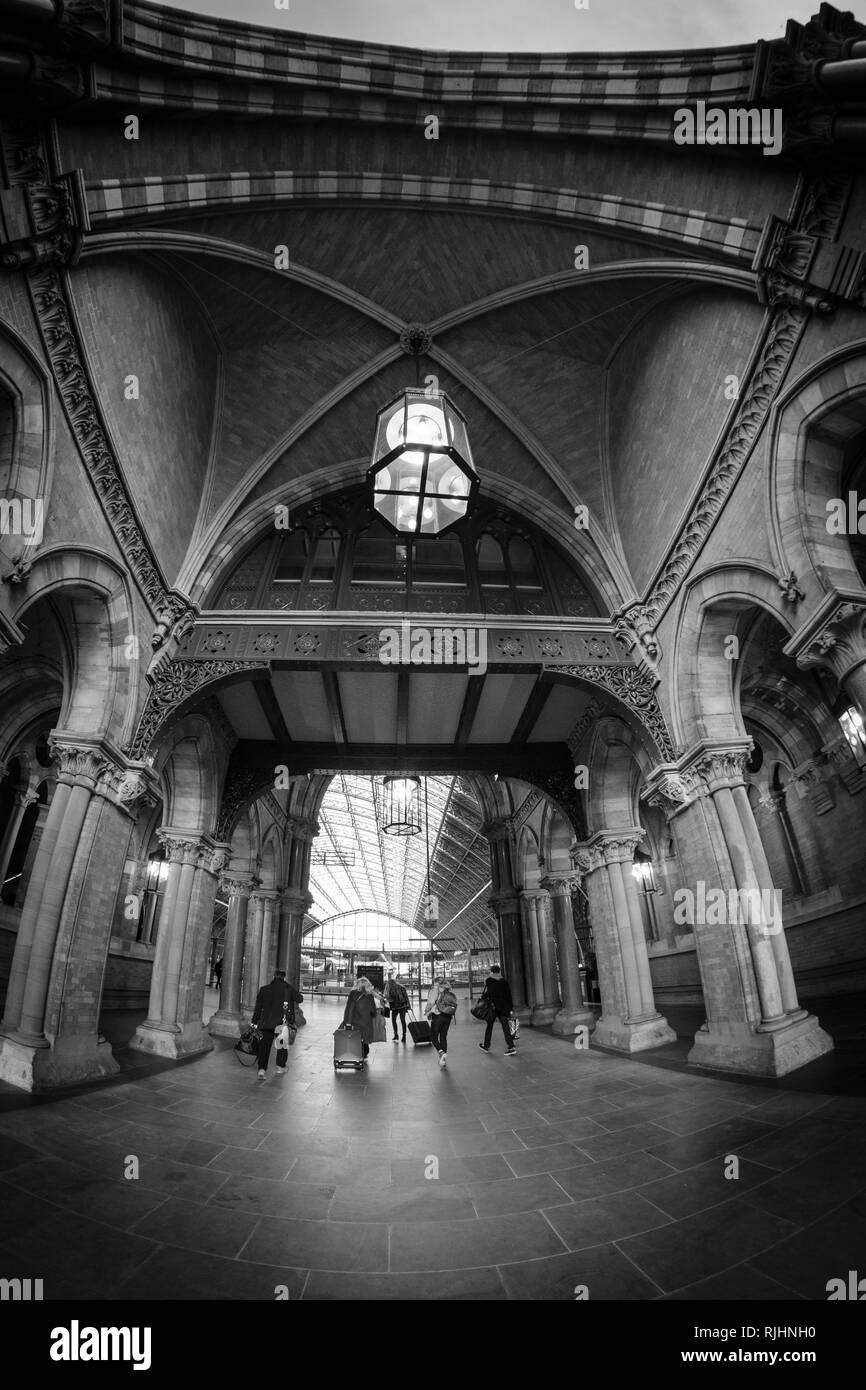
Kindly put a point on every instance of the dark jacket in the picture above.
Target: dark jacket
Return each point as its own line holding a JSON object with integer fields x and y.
{"x": 396, "y": 995}
{"x": 360, "y": 1012}
{"x": 499, "y": 994}
{"x": 272, "y": 1000}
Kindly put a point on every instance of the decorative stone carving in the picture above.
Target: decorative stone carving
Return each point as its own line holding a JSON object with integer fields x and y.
{"x": 587, "y": 858}
{"x": 218, "y": 860}
{"x": 525, "y": 809}
{"x": 838, "y": 643}
{"x": 634, "y": 629}
{"x": 416, "y": 339}
{"x": 237, "y": 885}
{"x": 173, "y": 684}
{"x": 58, "y": 202}
{"x": 757, "y": 396}
{"x": 77, "y": 761}
{"x": 791, "y": 591}
{"x": 561, "y": 885}
{"x": 723, "y": 767}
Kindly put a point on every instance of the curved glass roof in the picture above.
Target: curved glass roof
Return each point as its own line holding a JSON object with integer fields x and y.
{"x": 357, "y": 868}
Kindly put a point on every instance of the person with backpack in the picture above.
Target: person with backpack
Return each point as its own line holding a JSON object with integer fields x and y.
{"x": 398, "y": 1002}
{"x": 440, "y": 1009}
{"x": 498, "y": 992}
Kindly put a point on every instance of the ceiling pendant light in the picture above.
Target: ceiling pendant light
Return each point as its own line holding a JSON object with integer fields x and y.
{"x": 421, "y": 477}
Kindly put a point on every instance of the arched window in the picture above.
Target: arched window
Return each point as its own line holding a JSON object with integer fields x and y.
{"x": 491, "y": 563}
{"x": 380, "y": 558}
{"x": 438, "y": 561}
{"x": 524, "y": 567}
{"x": 326, "y": 558}
{"x": 293, "y": 557}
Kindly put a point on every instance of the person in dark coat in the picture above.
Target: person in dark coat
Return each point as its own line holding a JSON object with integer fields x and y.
{"x": 274, "y": 1002}
{"x": 497, "y": 990}
{"x": 361, "y": 1010}
{"x": 218, "y": 972}
{"x": 398, "y": 1002}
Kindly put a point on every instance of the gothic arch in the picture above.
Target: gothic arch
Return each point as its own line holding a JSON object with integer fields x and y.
{"x": 617, "y": 763}
{"x": 94, "y": 608}
{"x": 26, "y": 453}
{"x": 189, "y": 773}
{"x": 704, "y": 683}
{"x": 812, "y": 426}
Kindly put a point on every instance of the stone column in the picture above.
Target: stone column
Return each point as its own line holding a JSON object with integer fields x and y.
{"x": 23, "y": 799}
{"x": 67, "y": 919}
{"x": 629, "y": 1021}
{"x": 191, "y": 1036}
{"x": 531, "y": 951}
{"x": 749, "y": 1026}
{"x": 507, "y": 908}
{"x": 574, "y": 1012}
{"x": 79, "y": 766}
{"x": 545, "y": 1012}
{"x": 294, "y": 907}
{"x": 835, "y": 638}
{"x": 227, "y": 1019}
{"x": 270, "y": 899}
{"x": 252, "y": 967}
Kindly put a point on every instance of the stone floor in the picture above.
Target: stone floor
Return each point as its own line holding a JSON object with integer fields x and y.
{"x": 555, "y": 1168}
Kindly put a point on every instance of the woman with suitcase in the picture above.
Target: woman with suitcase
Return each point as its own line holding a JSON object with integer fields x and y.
{"x": 360, "y": 1011}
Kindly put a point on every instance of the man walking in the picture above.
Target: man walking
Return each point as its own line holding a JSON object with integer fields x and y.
{"x": 440, "y": 1009}
{"x": 498, "y": 991}
{"x": 274, "y": 1004}
{"x": 398, "y": 1002}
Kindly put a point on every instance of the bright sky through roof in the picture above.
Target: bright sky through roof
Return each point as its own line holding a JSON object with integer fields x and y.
{"x": 521, "y": 25}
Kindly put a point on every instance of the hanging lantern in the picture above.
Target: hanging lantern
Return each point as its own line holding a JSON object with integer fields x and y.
{"x": 421, "y": 476}
{"x": 642, "y": 868}
{"x": 401, "y": 814}
{"x": 854, "y": 731}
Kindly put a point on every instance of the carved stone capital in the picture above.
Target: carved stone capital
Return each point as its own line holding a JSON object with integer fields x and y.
{"x": 217, "y": 859}
{"x": 672, "y": 789}
{"x": 179, "y": 848}
{"x": 174, "y": 626}
{"x": 506, "y": 904}
{"x": 237, "y": 885}
{"x": 723, "y": 766}
{"x": 302, "y": 829}
{"x": 495, "y": 830}
{"x": 78, "y": 763}
{"x": 617, "y": 846}
{"x": 835, "y": 638}
{"x": 586, "y": 858}
{"x": 296, "y": 903}
{"x": 561, "y": 885}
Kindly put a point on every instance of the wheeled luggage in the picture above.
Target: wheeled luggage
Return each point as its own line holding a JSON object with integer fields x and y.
{"x": 420, "y": 1031}
{"x": 348, "y": 1049}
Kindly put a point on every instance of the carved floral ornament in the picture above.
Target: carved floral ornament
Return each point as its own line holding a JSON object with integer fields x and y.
{"x": 839, "y": 643}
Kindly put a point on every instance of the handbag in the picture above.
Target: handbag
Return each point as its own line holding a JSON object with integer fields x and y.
{"x": 247, "y": 1047}
{"x": 300, "y": 1021}
{"x": 386, "y": 1012}
{"x": 483, "y": 1010}
{"x": 514, "y": 1025}
{"x": 380, "y": 1032}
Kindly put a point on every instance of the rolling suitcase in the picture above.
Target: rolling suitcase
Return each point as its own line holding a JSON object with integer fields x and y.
{"x": 420, "y": 1031}
{"x": 348, "y": 1051}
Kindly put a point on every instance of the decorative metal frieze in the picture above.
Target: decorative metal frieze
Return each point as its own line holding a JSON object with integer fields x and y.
{"x": 526, "y": 808}
{"x": 782, "y": 337}
{"x": 173, "y": 684}
{"x": 593, "y": 711}
{"x": 634, "y": 688}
